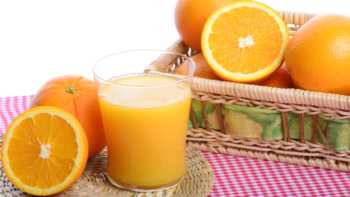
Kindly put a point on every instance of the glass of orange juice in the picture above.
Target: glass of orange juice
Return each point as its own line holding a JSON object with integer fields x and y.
{"x": 145, "y": 116}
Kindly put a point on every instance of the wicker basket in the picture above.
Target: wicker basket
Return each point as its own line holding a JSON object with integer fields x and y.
{"x": 284, "y": 101}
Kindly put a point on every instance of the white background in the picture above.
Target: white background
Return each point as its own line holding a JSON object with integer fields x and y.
{"x": 40, "y": 39}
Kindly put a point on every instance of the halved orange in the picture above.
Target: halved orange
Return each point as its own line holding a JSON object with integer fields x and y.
{"x": 44, "y": 151}
{"x": 244, "y": 41}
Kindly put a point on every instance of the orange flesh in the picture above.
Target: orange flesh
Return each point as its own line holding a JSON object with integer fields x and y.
{"x": 224, "y": 42}
{"x": 25, "y": 148}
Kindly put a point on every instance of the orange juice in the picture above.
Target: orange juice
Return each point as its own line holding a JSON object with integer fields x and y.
{"x": 145, "y": 120}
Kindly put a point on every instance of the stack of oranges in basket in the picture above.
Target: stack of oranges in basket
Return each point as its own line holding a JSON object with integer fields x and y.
{"x": 248, "y": 42}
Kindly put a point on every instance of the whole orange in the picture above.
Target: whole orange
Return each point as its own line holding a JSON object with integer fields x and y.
{"x": 78, "y": 96}
{"x": 318, "y": 56}
{"x": 279, "y": 79}
{"x": 190, "y": 17}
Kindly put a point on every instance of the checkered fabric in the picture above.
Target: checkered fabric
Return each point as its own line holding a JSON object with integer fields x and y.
{"x": 240, "y": 176}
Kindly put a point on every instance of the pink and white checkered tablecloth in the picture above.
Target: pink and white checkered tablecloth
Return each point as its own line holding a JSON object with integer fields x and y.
{"x": 239, "y": 176}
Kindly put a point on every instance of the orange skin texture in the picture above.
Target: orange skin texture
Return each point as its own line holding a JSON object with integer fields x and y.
{"x": 318, "y": 56}
{"x": 279, "y": 79}
{"x": 203, "y": 70}
{"x": 83, "y": 104}
{"x": 190, "y": 17}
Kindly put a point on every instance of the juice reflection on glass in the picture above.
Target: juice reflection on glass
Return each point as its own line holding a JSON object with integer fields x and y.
{"x": 145, "y": 117}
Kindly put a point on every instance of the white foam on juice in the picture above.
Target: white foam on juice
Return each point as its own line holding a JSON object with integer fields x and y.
{"x": 144, "y": 91}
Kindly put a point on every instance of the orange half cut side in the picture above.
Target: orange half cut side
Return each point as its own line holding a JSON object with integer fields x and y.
{"x": 244, "y": 41}
{"x": 44, "y": 151}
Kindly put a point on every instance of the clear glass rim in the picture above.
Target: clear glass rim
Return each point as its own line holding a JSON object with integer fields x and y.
{"x": 178, "y": 79}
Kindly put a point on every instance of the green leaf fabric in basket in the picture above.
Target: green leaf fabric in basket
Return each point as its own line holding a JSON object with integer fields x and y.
{"x": 293, "y": 123}
{"x": 259, "y": 123}
{"x": 197, "y": 109}
{"x": 214, "y": 115}
{"x": 252, "y": 122}
{"x": 338, "y": 133}
{"x": 212, "y": 112}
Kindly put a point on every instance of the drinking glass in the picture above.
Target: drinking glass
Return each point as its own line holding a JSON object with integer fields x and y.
{"x": 145, "y": 116}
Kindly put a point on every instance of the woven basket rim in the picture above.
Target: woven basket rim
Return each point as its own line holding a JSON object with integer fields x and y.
{"x": 290, "y": 96}
{"x": 284, "y": 96}
{"x": 278, "y": 95}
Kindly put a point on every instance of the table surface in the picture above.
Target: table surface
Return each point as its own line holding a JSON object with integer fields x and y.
{"x": 40, "y": 39}
{"x": 240, "y": 176}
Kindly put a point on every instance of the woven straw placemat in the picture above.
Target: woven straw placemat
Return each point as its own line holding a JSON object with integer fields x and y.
{"x": 198, "y": 181}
